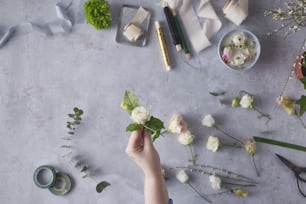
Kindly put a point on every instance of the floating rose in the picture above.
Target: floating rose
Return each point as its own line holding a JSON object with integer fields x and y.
{"x": 227, "y": 54}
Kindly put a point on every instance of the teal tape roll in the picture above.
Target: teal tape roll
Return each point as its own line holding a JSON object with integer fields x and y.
{"x": 44, "y": 176}
{"x": 62, "y": 184}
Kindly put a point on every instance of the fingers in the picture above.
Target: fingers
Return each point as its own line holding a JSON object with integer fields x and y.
{"x": 147, "y": 139}
{"x": 136, "y": 139}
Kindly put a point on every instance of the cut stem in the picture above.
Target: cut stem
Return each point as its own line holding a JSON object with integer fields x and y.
{"x": 239, "y": 141}
{"x": 195, "y": 190}
{"x": 193, "y": 157}
{"x": 261, "y": 114}
{"x": 254, "y": 164}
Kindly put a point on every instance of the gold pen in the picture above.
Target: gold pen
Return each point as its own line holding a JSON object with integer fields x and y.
{"x": 163, "y": 45}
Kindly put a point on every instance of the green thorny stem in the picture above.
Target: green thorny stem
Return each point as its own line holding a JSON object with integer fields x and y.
{"x": 254, "y": 164}
{"x": 225, "y": 133}
{"x": 193, "y": 156}
{"x": 195, "y": 190}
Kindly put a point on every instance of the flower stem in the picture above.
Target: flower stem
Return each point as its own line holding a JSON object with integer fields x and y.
{"x": 253, "y": 161}
{"x": 239, "y": 141}
{"x": 237, "y": 184}
{"x": 302, "y": 122}
{"x": 261, "y": 114}
{"x": 193, "y": 157}
{"x": 195, "y": 190}
{"x": 235, "y": 145}
{"x": 148, "y": 128}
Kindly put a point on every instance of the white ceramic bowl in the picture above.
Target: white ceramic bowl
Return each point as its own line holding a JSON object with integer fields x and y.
{"x": 226, "y": 39}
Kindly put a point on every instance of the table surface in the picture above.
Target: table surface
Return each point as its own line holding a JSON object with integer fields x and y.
{"x": 43, "y": 78}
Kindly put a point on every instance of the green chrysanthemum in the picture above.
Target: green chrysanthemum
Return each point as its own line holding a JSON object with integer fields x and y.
{"x": 98, "y": 13}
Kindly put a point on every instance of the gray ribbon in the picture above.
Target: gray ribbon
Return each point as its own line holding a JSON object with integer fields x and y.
{"x": 64, "y": 25}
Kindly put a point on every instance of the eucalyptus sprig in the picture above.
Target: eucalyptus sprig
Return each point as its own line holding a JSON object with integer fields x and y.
{"x": 141, "y": 116}
{"x": 76, "y": 119}
{"x": 82, "y": 167}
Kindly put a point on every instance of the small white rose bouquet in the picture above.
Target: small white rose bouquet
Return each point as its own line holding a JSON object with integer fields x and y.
{"x": 141, "y": 116}
{"x": 177, "y": 125}
{"x": 289, "y": 106}
{"x": 249, "y": 145}
{"x": 246, "y": 101}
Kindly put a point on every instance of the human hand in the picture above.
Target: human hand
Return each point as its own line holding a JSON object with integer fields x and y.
{"x": 141, "y": 150}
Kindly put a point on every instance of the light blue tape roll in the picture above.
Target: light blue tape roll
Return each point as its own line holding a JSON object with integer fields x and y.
{"x": 64, "y": 182}
{"x": 64, "y": 26}
{"x": 38, "y": 174}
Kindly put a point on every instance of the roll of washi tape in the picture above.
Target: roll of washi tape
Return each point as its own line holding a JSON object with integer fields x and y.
{"x": 62, "y": 184}
{"x": 44, "y": 176}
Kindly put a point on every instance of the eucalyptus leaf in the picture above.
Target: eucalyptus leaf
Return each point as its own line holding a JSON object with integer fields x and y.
{"x": 101, "y": 186}
{"x": 217, "y": 94}
{"x": 304, "y": 82}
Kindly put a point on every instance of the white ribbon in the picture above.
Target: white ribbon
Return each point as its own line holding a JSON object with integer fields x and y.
{"x": 236, "y": 10}
{"x": 63, "y": 26}
{"x": 199, "y": 35}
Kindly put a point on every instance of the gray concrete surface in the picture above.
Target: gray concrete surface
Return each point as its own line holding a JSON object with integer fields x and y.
{"x": 43, "y": 78}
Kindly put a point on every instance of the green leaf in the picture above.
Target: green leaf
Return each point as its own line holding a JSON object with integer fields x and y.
{"x": 155, "y": 135}
{"x": 130, "y": 101}
{"x": 155, "y": 124}
{"x": 302, "y": 103}
{"x": 304, "y": 82}
{"x": 132, "y": 127}
{"x": 71, "y": 115}
{"x": 217, "y": 94}
{"x": 280, "y": 143}
{"x": 101, "y": 186}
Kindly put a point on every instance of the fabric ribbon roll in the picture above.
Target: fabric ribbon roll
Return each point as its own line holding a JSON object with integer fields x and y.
{"x": 199, "y": 35}
{"x": 132, "y": 30}
{"x": 63, "y": 26}
{"x": 236, "y": 10}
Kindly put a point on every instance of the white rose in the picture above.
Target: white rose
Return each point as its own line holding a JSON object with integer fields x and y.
{"x": 140, "y": 115}
{"x": 177, "y": 124}
{"x": 213, "y": 143}
{"x": 239, "y": 59}
{"x": 246, "y": 101}
{"x": 208, "y": 121}
{"x": 186, "y": 138}
{"x": 182, "y": 176}
{"x": 215, "y": 182}
{"x": 239, "y": 39}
